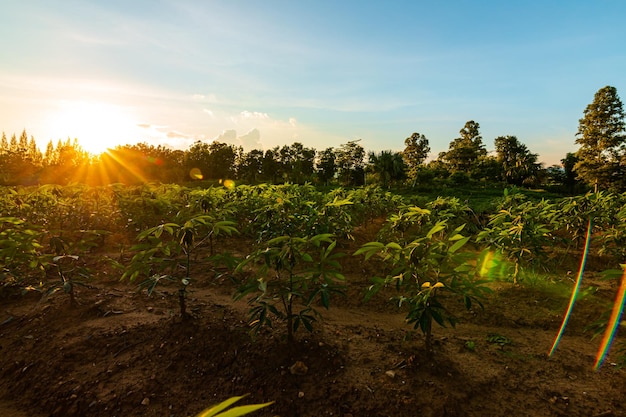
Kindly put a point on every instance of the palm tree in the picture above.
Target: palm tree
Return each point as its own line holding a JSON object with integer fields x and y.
{"x": 388, "y": 165}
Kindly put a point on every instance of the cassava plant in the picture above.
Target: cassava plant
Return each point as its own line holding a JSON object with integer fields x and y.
{"x": 520, "y": 233}
{"x": 164, "y": 250}
{"x": 425, "y": 272}
{"x": 293, "y": 273}
{"x": 70, "y": 273}
{"x": 22, "y": 257}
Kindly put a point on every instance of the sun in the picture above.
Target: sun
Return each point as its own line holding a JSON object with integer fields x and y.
{"x": 97, "y": 125}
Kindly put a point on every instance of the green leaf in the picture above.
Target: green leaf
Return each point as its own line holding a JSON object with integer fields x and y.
{"x": 436, "y": 315}
{"x": 325, "y": 298}
{"x": 308, "y": 322}
{"x": 458, "y": 245}
{"x": 458, "y": 229}
{"x": 215, "y": 411}
{"x": 370, "y": 249}
{"x": 393, "y": 245}
{"x": 436, "y": 228}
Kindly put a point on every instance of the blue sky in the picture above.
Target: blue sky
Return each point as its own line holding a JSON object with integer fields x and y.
{"x": 267, "y": 73}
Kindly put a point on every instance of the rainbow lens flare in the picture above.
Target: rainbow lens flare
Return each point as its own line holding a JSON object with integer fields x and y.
{"x": 579, "y": 279}
{"x": 611, "y": 328}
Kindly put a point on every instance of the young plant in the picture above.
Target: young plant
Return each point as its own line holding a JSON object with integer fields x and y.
{"x": 67, "y": 263}
{"x": 166, "y": 249}
{"x": 21, "y": 253}
{"x": 520, "y": 233}
{"x": 68, "y": 270}
{"x": 294, "y": 272}
{"x": 422, "y": 271}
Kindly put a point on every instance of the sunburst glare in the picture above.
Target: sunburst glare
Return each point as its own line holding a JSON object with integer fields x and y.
{"x": 97, "y": 126}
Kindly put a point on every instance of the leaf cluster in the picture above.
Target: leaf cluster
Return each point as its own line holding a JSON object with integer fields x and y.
{"x": 288, "y": 275}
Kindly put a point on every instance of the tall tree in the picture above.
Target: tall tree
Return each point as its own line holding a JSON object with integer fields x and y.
{"x": 22, "y": 146}
{"x": 415, "y": 153}
{"x": 71, "y": 163}
{"x": 20, "y": 161}
{"x": 350, "y": 163}
{"x": 465, "y": 151}
{"x": 221, "y": 161}
{"x": 388, "y": 165}
{"x": 49, "y": 157}
{"x": 519, "y": 165}
{"x": 4, "y": 144}
{"x": 303, "y": 163}
{"x": 251, "y": 166}
{"x": 569, "y": 162}
{"x": 271, "y": 164}
{"x": 13, "y": 147}
{"x": 326, "y": 166}
{"x": 34, "y": 154}
{"x": 198, "y": 158}
{"x": 601, "y": 136}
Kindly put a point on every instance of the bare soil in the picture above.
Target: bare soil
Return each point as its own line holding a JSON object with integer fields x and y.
{"x": 120, "y": 353}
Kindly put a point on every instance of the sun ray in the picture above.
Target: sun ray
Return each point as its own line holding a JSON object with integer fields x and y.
{"x": 112, "y": 157}
{"x": 97, "y": 125}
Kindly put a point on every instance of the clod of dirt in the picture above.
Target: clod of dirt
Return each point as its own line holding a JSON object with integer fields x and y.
{"x": 298, "y": 368}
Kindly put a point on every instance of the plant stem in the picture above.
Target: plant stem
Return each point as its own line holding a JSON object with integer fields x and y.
{"x": 181, "y": 301}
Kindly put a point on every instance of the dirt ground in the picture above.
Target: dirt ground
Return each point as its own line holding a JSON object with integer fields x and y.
{"x": 120, "y": 353}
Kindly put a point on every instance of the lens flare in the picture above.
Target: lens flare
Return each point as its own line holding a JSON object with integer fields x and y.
{"x": 195, "y": 174}
{"x": 492, "y": 266}
{"x": 486, "y": 265}
{"x": 611, "y": 328}
{"x": 579, "y": 279}
{"x": 153, "y": 160}
{"x": 230, "y": 184}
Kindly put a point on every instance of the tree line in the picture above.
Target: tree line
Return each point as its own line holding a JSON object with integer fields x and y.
{"x": 599, "y": 163}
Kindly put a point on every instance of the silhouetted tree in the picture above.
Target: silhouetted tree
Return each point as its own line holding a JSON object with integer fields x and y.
{"x": 519, "y": 165}
{"x": 326, "y": 167}
{"x": 415, "y": 153}
{"x": 465, "y": 151}
{"x": 349, "y": 159}
{"x": 601, "y": 136}
{"x": 271, "y": 165}
{"x": 20, "y": 161}
{"x": 388, "y": 165}
{"x": 251, "y": 166}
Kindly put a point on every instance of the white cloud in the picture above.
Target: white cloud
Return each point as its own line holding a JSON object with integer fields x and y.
{"x": 248, "y": 129}
{"x": 254, "y": 115}
{"x": 163, "y": 135}
{"x": 178, "y": 135}
{"x": 211, "y": 98}
{"x": 227, "y": 136}
{"x": 251, "y": 140}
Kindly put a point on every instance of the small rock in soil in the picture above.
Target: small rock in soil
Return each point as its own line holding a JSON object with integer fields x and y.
{"x": 298, "y": 368}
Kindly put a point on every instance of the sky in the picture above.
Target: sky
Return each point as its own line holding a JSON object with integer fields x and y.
{"x": 269, "y": 73}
